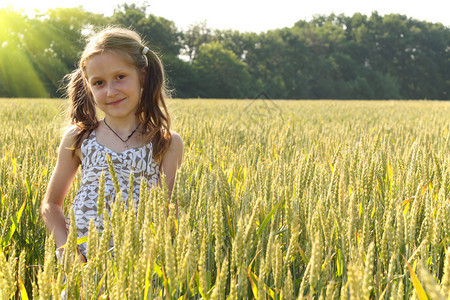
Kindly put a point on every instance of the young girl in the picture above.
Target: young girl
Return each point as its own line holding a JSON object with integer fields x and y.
{"x": 119, "y": 75}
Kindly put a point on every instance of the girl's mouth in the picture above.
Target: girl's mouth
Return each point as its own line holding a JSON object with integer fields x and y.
{"x": 116, "y": 102}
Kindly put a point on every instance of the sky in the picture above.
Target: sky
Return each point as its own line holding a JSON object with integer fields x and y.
{"x": 253, "y": 15}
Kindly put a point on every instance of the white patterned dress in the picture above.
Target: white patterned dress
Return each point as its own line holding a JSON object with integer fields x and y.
{"x": 93, "y": 163}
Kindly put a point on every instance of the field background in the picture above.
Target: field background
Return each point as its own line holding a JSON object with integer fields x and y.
{"x": 277, "y": 199}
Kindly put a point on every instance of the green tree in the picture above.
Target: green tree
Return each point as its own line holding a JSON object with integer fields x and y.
{"x": 334, "y": 56}
{"x": 221, "y": 74}
{"x": 159, "y": 32}
{"x": 18, "y": 77}
{"x": 238, "y": 42}
{"x": 36, "y": 53}
{"x": 183, "y": 80}
{"x": 194, "y": 37}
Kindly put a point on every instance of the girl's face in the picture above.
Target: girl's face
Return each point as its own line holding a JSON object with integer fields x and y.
{"x": 114, "y": 84}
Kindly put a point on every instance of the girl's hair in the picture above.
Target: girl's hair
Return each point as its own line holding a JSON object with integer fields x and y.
{"x": 152, "y": 112}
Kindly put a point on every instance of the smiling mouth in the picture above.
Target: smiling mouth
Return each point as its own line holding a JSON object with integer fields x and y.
{"x": 116, "y": 102}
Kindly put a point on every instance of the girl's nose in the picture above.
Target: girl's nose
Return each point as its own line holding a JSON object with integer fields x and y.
{"x": 111, "y": 90}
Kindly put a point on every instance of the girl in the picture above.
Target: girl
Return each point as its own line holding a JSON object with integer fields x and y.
{"x": 119, "y": 75}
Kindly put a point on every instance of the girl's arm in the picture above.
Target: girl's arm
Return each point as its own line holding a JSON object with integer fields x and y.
{"x": 172, "y": 160}
{"x": 58, "y": 187}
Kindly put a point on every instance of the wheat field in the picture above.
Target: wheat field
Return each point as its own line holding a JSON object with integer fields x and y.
{"x": 277, "y": 200}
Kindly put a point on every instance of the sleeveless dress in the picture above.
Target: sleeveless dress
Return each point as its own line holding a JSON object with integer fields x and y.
{"x": 138, "y": 160}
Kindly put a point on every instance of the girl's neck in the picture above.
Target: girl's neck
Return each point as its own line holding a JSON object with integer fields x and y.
{"x": 121, "y": 126}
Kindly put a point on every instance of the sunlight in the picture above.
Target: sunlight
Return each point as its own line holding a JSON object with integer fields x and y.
{"x": 32, "y": 53}
{"x": 17, "y": 74}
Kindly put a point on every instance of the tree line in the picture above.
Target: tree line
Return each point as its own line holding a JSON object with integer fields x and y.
{"x": 329, "y": 57}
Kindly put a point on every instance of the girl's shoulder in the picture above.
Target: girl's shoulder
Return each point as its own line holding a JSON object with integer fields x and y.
{"x": 176, "y": 138}
{"x": 176, "y": 147}
{"x": 70, "y": 137}
{"x": 176, "y": 144}
{"x": 71, "y": 133}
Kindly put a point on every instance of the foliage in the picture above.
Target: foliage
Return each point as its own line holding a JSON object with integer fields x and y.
{"x": 334, "y": 57}
{"x": 159, "y": 32}
{"x": 221, "y": 73}
{"x": 282, "y": 200}
{"x": 331, "y": 57}
{"x": 36, "y": 53}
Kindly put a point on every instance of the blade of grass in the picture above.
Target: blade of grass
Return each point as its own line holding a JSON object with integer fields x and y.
{"x": 23, "y": 290}
{"x": 417, "y": 285}
{"x": 99, "y": 286}
{"x": 267, "y": 219}
{"x": 15, "y": 222}
{"x": 147, "y": 279}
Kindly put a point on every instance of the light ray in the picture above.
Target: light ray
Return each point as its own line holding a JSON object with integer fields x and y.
{"x": 18, "y": 77}
{"x": 36, "y": 53}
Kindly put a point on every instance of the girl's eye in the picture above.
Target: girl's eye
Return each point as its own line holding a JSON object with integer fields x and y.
{"x": 121, "y": 76}
{"x": 98, "y": 83}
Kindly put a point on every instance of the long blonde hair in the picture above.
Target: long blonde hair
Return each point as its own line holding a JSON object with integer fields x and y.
{"x": 152, "y": 112}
